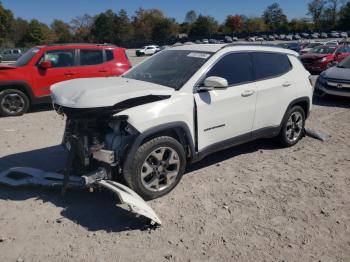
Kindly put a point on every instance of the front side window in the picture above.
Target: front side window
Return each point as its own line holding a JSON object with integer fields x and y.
{"x": 236, "y": 68}
{"x": 267, "y": 65}
{"x": 91, "y": 57}
{"x": 59, "y": 58}
{"x": 171, "y": 68}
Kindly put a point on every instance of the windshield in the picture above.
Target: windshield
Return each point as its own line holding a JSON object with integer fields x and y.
{"x": 345, "y": 63}
{"x": 27, "y": 56}
{"x": 171, "y": 68}
{"x": 322, "y": 50}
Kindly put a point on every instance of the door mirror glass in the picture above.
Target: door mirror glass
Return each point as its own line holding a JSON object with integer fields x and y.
{"x": 46, "y": 64}
{"x": 214, "y": 82}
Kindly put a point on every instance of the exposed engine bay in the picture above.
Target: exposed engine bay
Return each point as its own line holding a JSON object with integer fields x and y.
{"x": 97, "y": 139}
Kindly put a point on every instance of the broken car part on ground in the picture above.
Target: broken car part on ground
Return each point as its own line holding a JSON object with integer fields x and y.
{"x": 25, "y": 176}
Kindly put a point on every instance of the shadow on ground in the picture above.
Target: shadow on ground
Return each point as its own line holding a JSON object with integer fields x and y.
{"x": 40, "y": 108}
{"x": 265, "y": 144}
{"x": 94, "y": 211}
{"x": 332, "y": 101}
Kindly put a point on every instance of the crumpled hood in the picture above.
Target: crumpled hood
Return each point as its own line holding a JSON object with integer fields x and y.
{"x": 103, "y": 92}
{"x": 312, "y": 56}
{"x": 337, "y": 73}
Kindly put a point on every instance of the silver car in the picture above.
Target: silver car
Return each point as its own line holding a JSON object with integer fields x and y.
{"x": 11, "y": 54}
{"x": 335, "y": 80}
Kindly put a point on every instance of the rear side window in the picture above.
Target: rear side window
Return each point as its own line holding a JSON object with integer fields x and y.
{"x": 236, "y": 68}
{"x": 91, "y": 57}
{"x": 109, "y": 55}
{"x": 267, "y": 65}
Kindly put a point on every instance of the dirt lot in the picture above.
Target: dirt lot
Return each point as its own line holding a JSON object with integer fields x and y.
{"x": 256, "y": 202}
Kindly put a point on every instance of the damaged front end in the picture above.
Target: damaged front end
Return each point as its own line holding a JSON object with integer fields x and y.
{"x": 96, "y": 139}
{"x": 97, "y": 142}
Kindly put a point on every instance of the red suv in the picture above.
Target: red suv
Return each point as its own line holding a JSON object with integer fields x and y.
{"x": 28, "y": 81}
{"x": 322, "y": 57}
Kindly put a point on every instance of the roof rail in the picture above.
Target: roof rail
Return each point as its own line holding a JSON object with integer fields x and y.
{"x": 249, "y": 44}
{"x": 64, "y": 44}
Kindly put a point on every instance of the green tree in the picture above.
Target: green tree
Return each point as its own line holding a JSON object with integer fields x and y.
{"x": 234, "y": 24}
{"x": 104, "y": 27}
{"x": 125, "y": 30}
{"x": 255, "y": 25}
{"x": 6, "y": 24}
{"x": 205, "y": 26}
{"x": 37, "y": 33}
{"x": 191, "y": 17}
{"x": 164, "y": 30}
{"x": 344, "y": 17}
{"x": 274, "y": 18}
{"x": 62, "y": 31}
{"x": 300, "y": 25}
{"x": 316, "y": 8}
{"x": 144, "y": 22}
{"x": 20, "y": 27}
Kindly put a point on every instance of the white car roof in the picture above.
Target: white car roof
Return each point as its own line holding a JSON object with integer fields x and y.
{"x": 234, "y": 47}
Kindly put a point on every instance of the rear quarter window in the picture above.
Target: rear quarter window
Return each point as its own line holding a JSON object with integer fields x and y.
{"x": 269, "y": 65}
{"x": 91, "y": 57}
{"x": 109, "y": 55}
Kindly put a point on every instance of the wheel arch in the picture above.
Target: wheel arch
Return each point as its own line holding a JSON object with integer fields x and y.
{"x": 303, "y": 102}
{"x": 178, "y": 130}
{"x": 18, "y": 85}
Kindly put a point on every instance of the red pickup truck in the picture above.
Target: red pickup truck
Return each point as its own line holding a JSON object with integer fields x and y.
{"x": 28, "y": 81}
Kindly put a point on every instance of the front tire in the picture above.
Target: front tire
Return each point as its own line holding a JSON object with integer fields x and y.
{"x": 13, "y": 102}
{"x": 293, "y": 127}
{"x": 156, "y": 168}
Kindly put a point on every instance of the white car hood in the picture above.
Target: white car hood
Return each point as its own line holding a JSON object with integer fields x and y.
{"x": 103, "y": 92}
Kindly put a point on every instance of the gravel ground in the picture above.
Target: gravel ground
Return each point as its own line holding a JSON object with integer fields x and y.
{"x": 253, "y": 202}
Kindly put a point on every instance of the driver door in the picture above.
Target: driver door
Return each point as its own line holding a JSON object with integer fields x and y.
{"x": 228, "y": 113}
{"x": 63, "y": 68}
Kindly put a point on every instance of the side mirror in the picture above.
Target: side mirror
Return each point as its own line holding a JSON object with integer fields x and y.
{"x": 214, "y": 82}
{"x": 45, "y": 64}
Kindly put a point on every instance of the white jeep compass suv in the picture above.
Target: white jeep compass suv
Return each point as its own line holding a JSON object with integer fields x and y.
{"x": 177, "y": 107}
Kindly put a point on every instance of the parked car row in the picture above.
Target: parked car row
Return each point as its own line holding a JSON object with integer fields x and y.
{"x": 297, "y": 36}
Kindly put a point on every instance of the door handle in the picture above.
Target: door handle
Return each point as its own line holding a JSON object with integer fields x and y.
{"x": 103, "y": 71}
{"x": 286, "y": 84}
{"x": 248, "y": 93}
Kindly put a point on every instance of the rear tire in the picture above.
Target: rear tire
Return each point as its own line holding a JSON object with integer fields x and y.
{"x": 156, "y": 168}
{"x": 292, "y": 129}
{"x": 13, "y": 102}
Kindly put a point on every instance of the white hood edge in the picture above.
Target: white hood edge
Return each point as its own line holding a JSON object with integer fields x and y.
{"x": 102, "y": 92}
